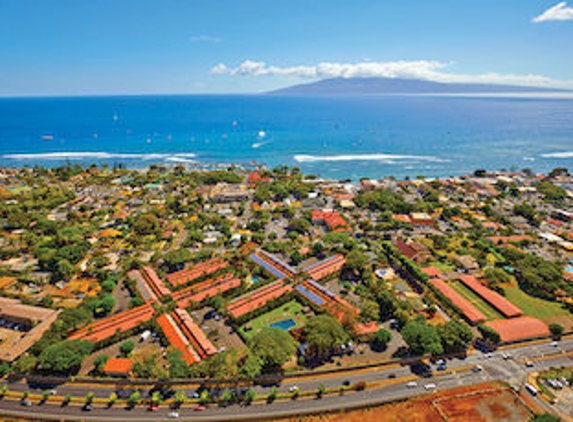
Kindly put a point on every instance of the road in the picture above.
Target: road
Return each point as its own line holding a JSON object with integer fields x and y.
{"x": 384, "y": 385}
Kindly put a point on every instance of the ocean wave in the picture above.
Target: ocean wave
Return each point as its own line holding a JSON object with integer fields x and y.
{"x": 387, "y": 158}
{"x": 564, "y": 154}
{"x": 260, "y": 144}
{"x": 96, "y": 156}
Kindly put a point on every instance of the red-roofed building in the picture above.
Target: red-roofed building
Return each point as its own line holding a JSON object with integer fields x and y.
{"x": 520, "y": 328}
{"x": 368, "y": 328}
{"x": 333, "y": 220}
{"x": 432, "y": 272}
{"x": 177, "y": 339}
{"x": 118, "y": 367}
{"x": 508, "y": 309}
{"x": 258, "y": 298}
{"x": 471, "y": 313}
{"x": 415, "y": 251}
{"x": 117, "y": 323}
{"x": 325, "y": 267}
{"x": 200, "y": 270}
{"x": 255, "y": 177}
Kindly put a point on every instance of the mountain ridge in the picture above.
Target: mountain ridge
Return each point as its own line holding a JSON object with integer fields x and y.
{"x": 382, "y": 85}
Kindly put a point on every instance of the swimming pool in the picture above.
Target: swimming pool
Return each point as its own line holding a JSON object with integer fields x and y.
{"x": 569, "y": 269}
{"x": 284, "y": 325}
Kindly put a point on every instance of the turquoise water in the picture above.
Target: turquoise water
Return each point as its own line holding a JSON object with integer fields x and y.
{"x": 284, "y": 325}
{"x": 336, "y": 137}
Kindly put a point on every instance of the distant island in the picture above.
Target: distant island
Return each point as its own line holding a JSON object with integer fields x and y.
{"x": 349, "y": 86}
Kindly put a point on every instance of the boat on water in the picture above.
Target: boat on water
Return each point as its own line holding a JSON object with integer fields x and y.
{"x": 47, "y": 137}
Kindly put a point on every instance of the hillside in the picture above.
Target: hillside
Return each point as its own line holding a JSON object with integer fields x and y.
{"x": 350, "y": 86}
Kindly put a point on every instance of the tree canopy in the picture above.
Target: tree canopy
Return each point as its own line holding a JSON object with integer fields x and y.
{"x": 272, "y": 346}
{"x": 324, "y": 335}
{"x": 422, "y": 338}
{"x": 65, "y": 357}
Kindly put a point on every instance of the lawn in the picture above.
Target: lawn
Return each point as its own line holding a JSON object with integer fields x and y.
{"x": 489, "y": 311}
{"x": 545, "y": 310}
{"x": 290, "y": 310}
{"x": 445, "y": 268}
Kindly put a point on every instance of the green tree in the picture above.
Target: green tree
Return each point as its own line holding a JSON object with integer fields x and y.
{"x": 156, "y": 398}
{"x": 272, "y": 395}
{"x": 146, "y": 224}
{"x": 180, "y": 397}
{"x": 250, "y": 396}
{"x": 324, "y": 335}
{"x": 455, "y": 336}
{"x": 174, "y": 259}
{"x": 112, "y": 399}
{"x": 65, "y": 357}
{"x": 422, "y": 338}
{"x": 204, "y": 397}
{"x": 252, "y": 366}
{"x": 556, "y": 330}
{"x": 489, "y": 334}
{"x": 134, "y": 399}
{"x": 321, "y": 391}
{"x": 64, "y": 270}
{"x": 381, "y": 339}
{"x": 545, "y": 417}
{"x": 273, "y": 347}
{"x": 89, "y": 399}
{"x": 226, "y": 396}
{"x": 127, "y": 347}
{"x": 67, "y": 399}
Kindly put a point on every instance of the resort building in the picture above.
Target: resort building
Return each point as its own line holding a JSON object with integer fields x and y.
{"x": 23, "y": 326}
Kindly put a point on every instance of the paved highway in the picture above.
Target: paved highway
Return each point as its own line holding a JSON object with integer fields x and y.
{"x": 385, "y": 384}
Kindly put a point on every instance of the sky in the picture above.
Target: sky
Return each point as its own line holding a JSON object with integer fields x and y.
{"x": 83, "y": 47}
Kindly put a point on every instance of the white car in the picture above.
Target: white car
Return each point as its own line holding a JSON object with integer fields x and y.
{"x": 173, "y": 415}
{"x": 477, "y": 368}
{"x": 430, "y": 386}
{"x": 554, "y": 344}
{"x": 293, "y": 388}
{"x": 412, "y": 384}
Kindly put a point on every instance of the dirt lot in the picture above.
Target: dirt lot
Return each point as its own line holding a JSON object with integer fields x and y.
{"x": 480, "y": 403}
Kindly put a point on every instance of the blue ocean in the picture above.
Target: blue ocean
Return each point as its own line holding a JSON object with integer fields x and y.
{"x": 337, "y": 137}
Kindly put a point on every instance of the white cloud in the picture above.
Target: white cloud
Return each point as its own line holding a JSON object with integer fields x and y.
{"x": 205, "y": 38}
{"x": 420, "y": 69}
{"x": 559, "y": 12}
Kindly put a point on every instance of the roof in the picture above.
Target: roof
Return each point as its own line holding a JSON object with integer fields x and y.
{"x": 332, "y": 219}
{"x": 508, "y": 309}
{"x": 368, "y": 328}
{"x": 405, "y": 249}
{"x": 185, "y": 276}
{"x": 118, "y": 366}
{"x": 325, "y": 267}
{"x": 121, "y": 322}
{"x": 432, "y": 271}
{"x": 469, "y": 310}
{"x": 258, "y": 298}
{"x": 519, "y": 328}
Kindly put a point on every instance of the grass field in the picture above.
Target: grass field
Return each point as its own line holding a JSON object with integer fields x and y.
{"x": 292, "y": 310}
{"x": 545, "y": 310}
{"x": 441, "y": 266}
{"x": 489, "y": 311}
